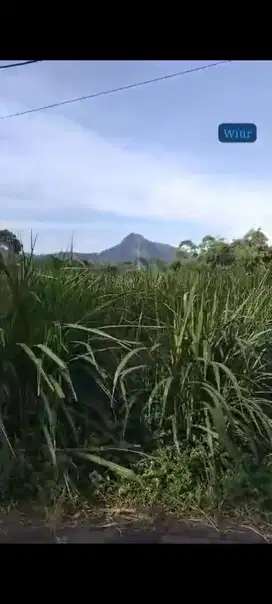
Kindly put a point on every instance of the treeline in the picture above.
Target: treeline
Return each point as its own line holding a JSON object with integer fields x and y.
{"x": 250, "y": 251}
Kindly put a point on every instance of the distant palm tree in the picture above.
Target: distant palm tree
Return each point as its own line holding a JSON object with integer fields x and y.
{"x": 142, "y": 262}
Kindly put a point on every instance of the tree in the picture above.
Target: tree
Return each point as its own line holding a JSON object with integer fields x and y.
{"x": 256, "y": 238}
{"x": 252, "y": 249}
{"x": 220, "y": 252}
{"x": 10, "y": 242}
{"x": 142, "y": 262}
{"x": 187, "y": 250}
{"x": 206, "y": 243}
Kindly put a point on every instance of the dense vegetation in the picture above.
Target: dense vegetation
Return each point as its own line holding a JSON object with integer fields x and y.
{"x": 153, "y": 386}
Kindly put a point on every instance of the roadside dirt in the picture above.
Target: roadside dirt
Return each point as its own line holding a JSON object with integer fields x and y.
{"x": 123, "y": 528}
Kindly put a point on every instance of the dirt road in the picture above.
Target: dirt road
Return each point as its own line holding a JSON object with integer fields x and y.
{"x": 15, "y": 528}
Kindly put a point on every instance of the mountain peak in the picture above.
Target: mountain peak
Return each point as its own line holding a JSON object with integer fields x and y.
{"x": 131, "y": 248}
{"x": 134, "y": 246}
{"x": 133, "y": 236}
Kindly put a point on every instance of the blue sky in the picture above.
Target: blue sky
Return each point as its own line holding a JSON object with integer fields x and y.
{"x": 145, "y": 160}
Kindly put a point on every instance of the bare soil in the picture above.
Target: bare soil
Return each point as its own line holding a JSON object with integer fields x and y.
{"x": 16, "y": 527}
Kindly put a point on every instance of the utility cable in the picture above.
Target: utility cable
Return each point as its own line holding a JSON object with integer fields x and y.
{"x": 9, "y": 65}
{"x": 113, "y": 90}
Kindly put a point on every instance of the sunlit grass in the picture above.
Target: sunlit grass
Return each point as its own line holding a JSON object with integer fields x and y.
{"x": 100, "y": 374}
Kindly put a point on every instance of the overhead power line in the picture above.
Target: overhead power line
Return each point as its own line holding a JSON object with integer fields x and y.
{"x": 113, "y": 90}
{"x": 9, "y": 65}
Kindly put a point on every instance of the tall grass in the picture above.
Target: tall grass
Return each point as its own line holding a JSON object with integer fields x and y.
{"x": 102, "y": 375}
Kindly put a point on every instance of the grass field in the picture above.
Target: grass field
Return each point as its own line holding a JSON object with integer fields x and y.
{"x": 148, "y": 387}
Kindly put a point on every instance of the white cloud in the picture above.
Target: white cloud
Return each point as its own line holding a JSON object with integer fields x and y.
{"x": 49, "y": 162}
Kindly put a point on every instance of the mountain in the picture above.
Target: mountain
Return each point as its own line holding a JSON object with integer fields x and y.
{"x": 131, "y": 248}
